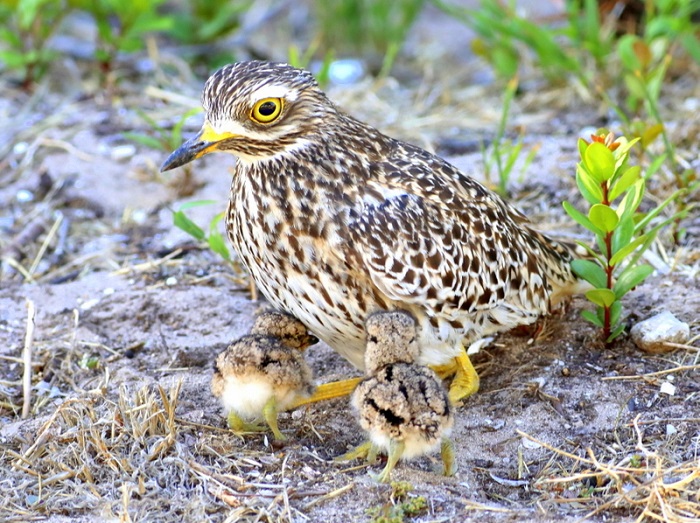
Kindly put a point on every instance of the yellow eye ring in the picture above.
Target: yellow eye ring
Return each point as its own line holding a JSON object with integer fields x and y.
{"x": 267, "y": 110}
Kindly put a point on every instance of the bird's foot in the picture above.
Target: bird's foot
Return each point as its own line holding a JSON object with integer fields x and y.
{"x": 465, "y": 381}
{"x": 328, "y": 391}
{"x": 240, "y": 426}
{"x": 366, "y": 451}
{"x": 396, "y": 449}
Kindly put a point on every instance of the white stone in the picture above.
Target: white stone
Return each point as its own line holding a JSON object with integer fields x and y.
{"x": 653, "y": 334}
{"x": 667, "y": 388}
{"x": 122, "y": 153}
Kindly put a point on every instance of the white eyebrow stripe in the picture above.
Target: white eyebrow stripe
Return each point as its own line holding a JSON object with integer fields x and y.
{"x": 274, "y": 91}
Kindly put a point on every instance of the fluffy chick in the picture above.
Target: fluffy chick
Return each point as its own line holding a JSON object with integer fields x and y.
{"x": 403, "y": 406}
{"x": 264, "y": 372}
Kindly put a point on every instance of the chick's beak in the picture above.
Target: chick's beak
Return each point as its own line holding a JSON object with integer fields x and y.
{"x": 206, "y": 141}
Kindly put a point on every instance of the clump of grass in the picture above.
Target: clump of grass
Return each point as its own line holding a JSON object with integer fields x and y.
{"x": 644, "y": 483}
{"x": 162, "y": 139}
{"x": 122, "y": 26}
{"x": 626, "y": 73}
{"x": 362, "y": 26}
{"x": 25, "y": 28}
{"x": 504, "y": 152}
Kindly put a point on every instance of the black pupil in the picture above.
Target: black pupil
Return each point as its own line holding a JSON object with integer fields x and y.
{"x": 267, "y": 108}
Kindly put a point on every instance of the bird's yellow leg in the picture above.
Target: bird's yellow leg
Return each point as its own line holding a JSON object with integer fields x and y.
{"x": 366, "y": 451}
{"x": 329, "y": 391}
{"x": 240, "y": 426}
{"x": 270, "y": 415}
{"x": 465, "y": 381}
{"x": 447, "y": 453}
{"x": 396, "y": 449}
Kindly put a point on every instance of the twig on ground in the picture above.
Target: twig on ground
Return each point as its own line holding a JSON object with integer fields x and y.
{"x": 27, "y": 360}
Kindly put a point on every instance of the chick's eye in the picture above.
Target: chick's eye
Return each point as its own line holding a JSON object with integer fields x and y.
{"x": 267, "y": 110}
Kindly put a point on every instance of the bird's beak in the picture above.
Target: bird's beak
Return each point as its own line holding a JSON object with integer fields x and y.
{"x": 208, "y": 140}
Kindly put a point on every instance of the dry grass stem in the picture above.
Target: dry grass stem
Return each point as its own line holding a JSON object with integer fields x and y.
{"x": 27, "y": 360}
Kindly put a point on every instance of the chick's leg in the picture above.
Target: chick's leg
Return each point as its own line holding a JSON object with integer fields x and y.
{"x": 396, "y": 449}
{"x": 270, "y": 415}
{"x": 447, "y": 453}
{"x": 366, "y": 451}
{"x": 240, "y": 426}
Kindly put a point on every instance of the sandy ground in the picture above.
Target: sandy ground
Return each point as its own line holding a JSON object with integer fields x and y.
{"x": 131, "y": 313}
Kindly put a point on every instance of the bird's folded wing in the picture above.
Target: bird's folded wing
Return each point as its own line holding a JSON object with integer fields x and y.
{"x": 419, "y": 251}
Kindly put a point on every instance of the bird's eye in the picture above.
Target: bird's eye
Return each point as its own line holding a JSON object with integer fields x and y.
{"x": 267, "y": 110}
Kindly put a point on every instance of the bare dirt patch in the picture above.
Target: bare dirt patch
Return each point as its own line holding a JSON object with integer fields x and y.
{"x": 131, "y": 315}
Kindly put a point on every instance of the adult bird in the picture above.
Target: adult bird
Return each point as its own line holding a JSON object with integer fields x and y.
{"x": 335, "y": 220}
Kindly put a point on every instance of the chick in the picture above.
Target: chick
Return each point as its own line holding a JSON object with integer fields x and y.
{"x": 264, "y": 372}
{"x": 403, "y": 406}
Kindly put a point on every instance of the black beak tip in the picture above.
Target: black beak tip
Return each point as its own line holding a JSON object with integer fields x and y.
{"x": 187, "y": 152}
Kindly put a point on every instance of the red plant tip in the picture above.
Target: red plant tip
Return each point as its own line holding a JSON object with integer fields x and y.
{"x": 606, "y": 139}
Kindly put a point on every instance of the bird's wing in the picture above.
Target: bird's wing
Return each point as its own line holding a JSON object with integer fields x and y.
{"x": 433, "y": 240}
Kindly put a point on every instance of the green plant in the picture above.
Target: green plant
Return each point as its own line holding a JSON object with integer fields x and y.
{"x": 359, "y": 26}
{"x": 504, "y": 153}
{"x": 122, "y": 26}
{"x": 25, "y": 27}
{"x": 167, "y": 140}
{"x": 399, "y": 506}
{"x": 213, "y": 237}
{"x": 303, "y": 61}
{"x": 205, "y": 21}
{"x": 502, "y": 33}
{"x": 604, "y": 178}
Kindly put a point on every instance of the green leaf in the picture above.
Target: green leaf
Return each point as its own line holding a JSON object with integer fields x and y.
{"x": 615, "y": 312}
{"x": 181, "y": 221}
{"x": 145, "y": 140}
{"x": 581, "y": 219}
{"x": 603, "y": 217}
{"x": 632, "y": 199}
{"x": 582, "y": 145}
{"x": 622, "y": 234}
{"x": 591, "y": 272}
{"x": 630, "y": 278}
{"x": 655, "y": 165}
{"x": 615, "y": 333}
{"x": 627, "y": 250}
{"x": 590, "y": 316}
{"x": 623, "y": 148}
{"x": 601, "y": 297}
{"x": 599, "y": 161}
{"x": 197, "y": 203}
{"x": 591, "y": 191}
{"x": 218, "y": 245}
{"x": 620, "y": 185}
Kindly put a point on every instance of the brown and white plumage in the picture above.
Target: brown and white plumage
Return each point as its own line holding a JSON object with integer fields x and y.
{"x": 403, "y": 406}
{"x": 264, "y": 372}
{"x": 335, "y": 220}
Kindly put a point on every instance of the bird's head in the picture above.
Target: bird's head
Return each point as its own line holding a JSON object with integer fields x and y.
{"x": 256, "y": 110}
{"x": 391, "y": 338}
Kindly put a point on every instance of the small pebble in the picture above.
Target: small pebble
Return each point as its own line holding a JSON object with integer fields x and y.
{"x": 671, "y": 430}
{"x": 89, "y": 304}
{"x": 171, "y": 281}
{"x": 24, "y": 196}
{"x": 122, "y": 153}
{"x": 668, "y": 388}
{"x": 20, "y": 148}
{"x": 653, "y": 334}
